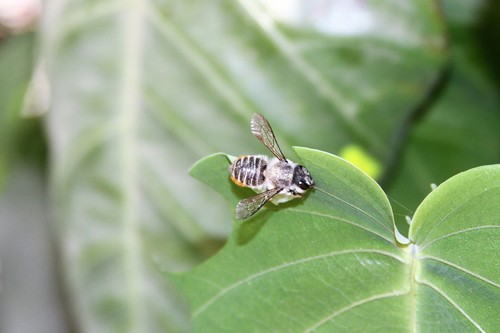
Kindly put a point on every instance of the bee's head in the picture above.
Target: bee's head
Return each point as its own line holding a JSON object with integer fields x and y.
{"x": 302, "y": 179}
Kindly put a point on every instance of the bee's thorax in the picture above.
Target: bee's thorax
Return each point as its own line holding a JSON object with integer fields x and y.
{"x": 279, "y": 173}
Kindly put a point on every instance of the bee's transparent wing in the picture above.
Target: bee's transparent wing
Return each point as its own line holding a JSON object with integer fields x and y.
{"x": 248, "y": 207}
{"x": 263, "y": 131}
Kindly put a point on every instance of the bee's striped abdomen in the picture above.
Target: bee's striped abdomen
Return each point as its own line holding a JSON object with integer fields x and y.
{"x": 248, "y": 171}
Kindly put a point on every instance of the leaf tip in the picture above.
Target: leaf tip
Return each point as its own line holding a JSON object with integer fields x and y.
{"x": 201, "y": 164}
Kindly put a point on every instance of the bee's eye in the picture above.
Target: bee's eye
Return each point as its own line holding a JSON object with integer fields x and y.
{"x": 303, "y": 185}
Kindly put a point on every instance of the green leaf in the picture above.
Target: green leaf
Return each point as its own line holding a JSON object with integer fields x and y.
{"x": 322, "y": 263}
{"x": 470, "y": 218}
{"x": 141, "y": 90}
{"x": 456, "y": 230}
{"x": 217, "y": 164}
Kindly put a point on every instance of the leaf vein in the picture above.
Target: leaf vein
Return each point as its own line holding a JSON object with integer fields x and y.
{"x": 224, "y": 291}
{"x": 460, "y": 268}
{"x": 457, "y": 233}
{"x": 208, "y": 70}
{"x": 345, "y": 109}
{"x": 356, "y": 208}
{"x": 445, "y": 218}
{"x": 341, "y": 220}
{"x": 352, "y": 306}
{"x": 450, "y": 300}
{"x": 133, "y": 24}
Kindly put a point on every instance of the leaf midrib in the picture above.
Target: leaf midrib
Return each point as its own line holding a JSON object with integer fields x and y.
{"x": 130, "y": 97}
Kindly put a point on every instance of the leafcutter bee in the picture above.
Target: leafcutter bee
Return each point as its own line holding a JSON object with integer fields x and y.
{"x": 276, "y": 179}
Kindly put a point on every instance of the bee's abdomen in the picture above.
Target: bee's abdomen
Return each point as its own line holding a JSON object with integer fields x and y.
{"x": 248, "y": 171}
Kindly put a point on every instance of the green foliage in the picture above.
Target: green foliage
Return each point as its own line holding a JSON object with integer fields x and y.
{"x": 323, "y": 262}
{"x": 455, "y": 133}
{"x": 141, "y": 90}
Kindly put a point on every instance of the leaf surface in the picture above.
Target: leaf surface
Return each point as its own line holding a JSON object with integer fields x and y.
{"x": 456, "y": 230}
{"x": 142, "y": 89}
{"x": 321, "y": 263}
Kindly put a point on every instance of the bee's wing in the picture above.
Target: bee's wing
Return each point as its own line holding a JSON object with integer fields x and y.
{"x": 263, "y": 131}
{"x": 248, "y": 207}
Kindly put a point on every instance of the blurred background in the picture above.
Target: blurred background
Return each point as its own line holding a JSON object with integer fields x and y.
{"x": 105, "y": 105}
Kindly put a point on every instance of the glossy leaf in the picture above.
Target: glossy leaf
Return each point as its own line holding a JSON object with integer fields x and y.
{"x": 321, "y": 263}
{"x": 141, "y": 90}
{"x": 456, "y": 230}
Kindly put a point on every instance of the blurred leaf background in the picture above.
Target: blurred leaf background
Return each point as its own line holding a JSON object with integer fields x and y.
{"x": 96, "y": 202}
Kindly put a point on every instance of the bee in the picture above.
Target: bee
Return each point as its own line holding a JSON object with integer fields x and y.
{"x": 276, "y": 179}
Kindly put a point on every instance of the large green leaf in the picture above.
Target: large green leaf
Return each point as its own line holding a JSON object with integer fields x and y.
{"x": 140, "y": 90}
{"x": 330, "y": 262}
